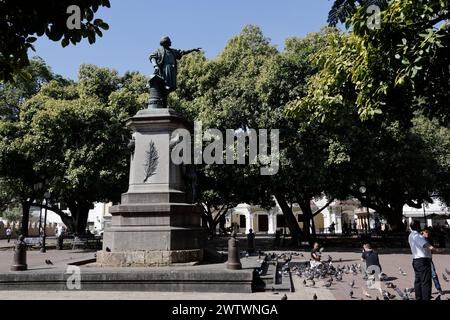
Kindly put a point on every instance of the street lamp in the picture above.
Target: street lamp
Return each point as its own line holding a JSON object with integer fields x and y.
{"x": 38, "y": 187}
{"x": 363, "y": 190}
{"x": 46, "y": 196}
{"x": 424, "y": 215}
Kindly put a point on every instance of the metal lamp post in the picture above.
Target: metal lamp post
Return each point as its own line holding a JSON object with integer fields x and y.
{"x": 38, "y": 187}
{"x": 424, "y": 215}
{"x": 363, "y": 190}
{"x": 43, "y": 248}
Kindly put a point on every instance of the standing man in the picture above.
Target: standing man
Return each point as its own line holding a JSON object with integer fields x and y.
{"x": 250, "y": 242}
{"x": 426, "y": 233}
{"x": 8, "y": 233}
{"x": 421, "y": 252}
{"x": 164, "y": 61}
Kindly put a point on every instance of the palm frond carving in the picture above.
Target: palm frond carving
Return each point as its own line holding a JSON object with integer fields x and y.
{"x": 151, "y": 161}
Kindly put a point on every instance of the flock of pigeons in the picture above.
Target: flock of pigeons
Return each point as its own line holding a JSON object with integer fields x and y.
{"x": 332, "y": 272}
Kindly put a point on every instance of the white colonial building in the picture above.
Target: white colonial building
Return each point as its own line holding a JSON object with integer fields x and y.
{"x": 339, "y": 213}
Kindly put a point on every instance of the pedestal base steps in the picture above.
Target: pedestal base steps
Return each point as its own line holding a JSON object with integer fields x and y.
{"x": 148, "y": 258}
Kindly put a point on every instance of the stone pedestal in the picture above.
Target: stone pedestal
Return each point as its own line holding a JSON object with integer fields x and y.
{"x": 155, "y": 224}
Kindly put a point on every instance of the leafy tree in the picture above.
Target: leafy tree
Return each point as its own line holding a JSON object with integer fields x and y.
{"x": 74, "y": 135}
{"x": 342, "y": 10}
{"x": 13, "y": 95}
{"x": 22, "y": 22}
{"x": 12, "y": 214}
{"x": 248, "y": 86}
{"x": 371, "y": 86}
{"x": 17, "y": 179}
{"x": 389, "y": 72}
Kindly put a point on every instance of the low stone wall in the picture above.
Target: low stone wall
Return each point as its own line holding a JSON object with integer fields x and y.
{"x": 33, "y": 229}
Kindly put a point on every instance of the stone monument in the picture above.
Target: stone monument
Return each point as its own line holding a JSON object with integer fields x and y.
{"x": 156, "y": 223}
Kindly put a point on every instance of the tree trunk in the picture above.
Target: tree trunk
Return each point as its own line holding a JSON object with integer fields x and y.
{"x": 305, "y": 205}
{"x": 313, "y": 227}
{"x": 81, "y": 220}
{"x": 394, "y": 217}
{"x": 208, "y": 218}
{"x": 80, "y": 213}
{"x": 25, "y": 218}
{"x": 68, "y": 222}
{"x": 294, "y": 228}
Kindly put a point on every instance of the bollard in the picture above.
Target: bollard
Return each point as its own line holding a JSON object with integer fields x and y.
{"x": 234, "y": 262}
{"x": 20, "y": 255}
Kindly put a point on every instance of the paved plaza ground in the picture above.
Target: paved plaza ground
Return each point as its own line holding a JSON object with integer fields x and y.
{"x": 391, "y": 260}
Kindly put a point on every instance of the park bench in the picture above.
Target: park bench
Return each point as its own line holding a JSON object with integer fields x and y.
{"x": 84, "y": 242}
{"x": 33, "y": 242}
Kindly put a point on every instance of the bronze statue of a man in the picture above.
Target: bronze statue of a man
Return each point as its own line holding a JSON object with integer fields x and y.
{"x": 164, "y": 61}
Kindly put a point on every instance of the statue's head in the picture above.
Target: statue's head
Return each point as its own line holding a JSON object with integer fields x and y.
{"x": 165, "y": 42}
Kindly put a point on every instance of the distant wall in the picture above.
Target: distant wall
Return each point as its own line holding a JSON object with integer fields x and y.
{"x": 33, "y": 229}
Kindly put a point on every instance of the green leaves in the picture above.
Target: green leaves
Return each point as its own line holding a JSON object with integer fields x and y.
{"x": 49, "y": 18}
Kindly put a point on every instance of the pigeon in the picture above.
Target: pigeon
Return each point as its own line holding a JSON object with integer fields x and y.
{"x": 304, "y": 282}
{"x": 377, "y": 298}
{"x": 447, "y": 272}
{"x": 314, "y": 297}
{"x": 444, "y": 277}
{"x": 388, "y": 295}
{"x": 401, "y": 294}
{"x": 438, "y": 297}
{"x": 403, "y": 273}
{"x": 108, "y": 249}
{"x": 390, "y": 285}
{"x": 352, "y": 284}
{"x": 327, "y": 285}
{"x": 48, "y": 262}
{"x": 284, "y": 297}
{"x": 351, "y": 294}
{"x": 313, "y": 283}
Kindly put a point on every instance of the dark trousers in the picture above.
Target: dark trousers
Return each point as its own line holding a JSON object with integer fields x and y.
{"x": 9, "y": 238}
{"x": 422, "y": 283}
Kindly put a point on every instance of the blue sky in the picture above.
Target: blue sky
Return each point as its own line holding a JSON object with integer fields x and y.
{"x": 137, "y": 25}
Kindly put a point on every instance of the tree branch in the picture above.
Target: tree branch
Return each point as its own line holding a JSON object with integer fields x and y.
{"x": 323, "y": 208}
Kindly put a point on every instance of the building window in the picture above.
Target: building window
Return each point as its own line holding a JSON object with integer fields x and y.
{"x": 242, "y": 221}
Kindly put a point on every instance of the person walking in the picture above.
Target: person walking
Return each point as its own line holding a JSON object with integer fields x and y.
{"x": 8, "y": 232}
{"x": 426, "y": 233}
{"x": 421, "y": 252}
{"x": 250, "y": 242}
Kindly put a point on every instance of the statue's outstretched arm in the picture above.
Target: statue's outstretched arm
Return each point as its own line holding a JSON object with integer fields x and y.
{"x": 184, "y": 52}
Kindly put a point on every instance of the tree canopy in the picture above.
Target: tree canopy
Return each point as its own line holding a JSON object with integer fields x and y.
{"x": 72, "y": 137}
{"x": 21, "y": 22}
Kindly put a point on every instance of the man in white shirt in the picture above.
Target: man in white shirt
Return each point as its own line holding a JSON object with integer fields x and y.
{"x": 421, "y": 252}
